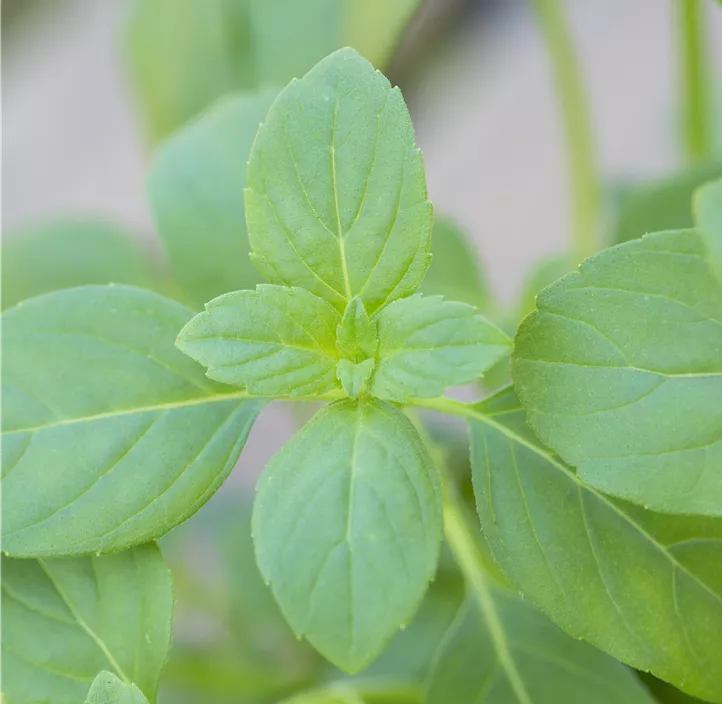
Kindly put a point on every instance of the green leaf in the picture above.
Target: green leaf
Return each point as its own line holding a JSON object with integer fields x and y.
{"x": 354, "y": 377}
{"x": 708, "y": 216}
{"x": 274, "y": 341}
{"x": 111, "y": 436}
{"x": 195, "y": 189}
{"x": 427, "y": 344}
{"x": 410, "y": 652}
{"x": 357, "y": 337}
{"x": 66, "y": 254}
{"x": 331, "y": 695}
{"x": 108, "y": 689}
{"x": 64, "y": 620}
{"x": 543, "y": 274}
{"x": 665, "y": 693}
{"x": 455, "y": 272}
{"x": 347, "y": 524}
{"x": 620, "y": 371}
{"x": 645, "y": 587}
{"x": 336, "y": 199}
{"x": 218, "y": 46}
{"x": 661, "y": 205}
{"x": 545, "y": 663}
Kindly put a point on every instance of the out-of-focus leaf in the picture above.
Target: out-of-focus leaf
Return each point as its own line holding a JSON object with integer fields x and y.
{"x": 184, "y": 54}
{"x": 65, "y": 620}
{"x": 665, "y": 693}
{"x": 195, "y": 188}
{"x": 708, "y": 216}
{"x": 527, "y": 655}
{"x": 65, "y": 254}
{"x": 230, "y": 641}
{"x": 543, "y": 274}
{"x": 661, "y": 205}
{"x": 455, "y": 271}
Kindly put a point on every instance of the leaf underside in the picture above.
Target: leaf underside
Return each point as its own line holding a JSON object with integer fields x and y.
{"x": 65, "y": 620}
{"x": 643, "y": 586}
{"x": 347, "y": 525}
{"x": 620, "y": 371}
{"x": 111, "y": 436}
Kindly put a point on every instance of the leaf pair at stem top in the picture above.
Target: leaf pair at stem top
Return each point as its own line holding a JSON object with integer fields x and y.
{"x": 347, "y": 520}
{"x": 340, "y": 223}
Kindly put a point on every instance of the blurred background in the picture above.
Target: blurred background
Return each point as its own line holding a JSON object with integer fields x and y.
{"x": 92, "y": 87}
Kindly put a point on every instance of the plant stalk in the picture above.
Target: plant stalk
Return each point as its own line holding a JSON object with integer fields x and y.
{"x": 582, "y": 170}
{"x": 693, "y": 83}
{"x": 464, "y": 544}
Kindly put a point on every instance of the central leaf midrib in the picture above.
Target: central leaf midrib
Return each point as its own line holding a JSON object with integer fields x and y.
{"x": 189, "y": 403}
{"x": 81, "y": 622}
{"x": 488, "y": 420}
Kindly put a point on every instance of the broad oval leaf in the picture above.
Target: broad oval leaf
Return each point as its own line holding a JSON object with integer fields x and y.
{"x": 195, "y": 189}
{"x": 336, "y": 199}
{"x": 537, "y": 664}
{"x": 620, "y": 371}
{"x": 347, "y": 525}
{"x": 708, "y": 217}
{"x": 69, "y": 253}
{"x": 274, "y": 341}
{"x": 645, "y": 587}
{"x": 455, "y": 271}
{"x": 109, "y": 689}
{"x": 111, "y": 436}
{"x": 66, "y": 619}
{"x": 427, "y": 344}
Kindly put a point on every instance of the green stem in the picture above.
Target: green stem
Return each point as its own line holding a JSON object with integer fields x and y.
{"x": 464, "y": 545}
{"x": 464, "y": 540}
{"x": 693, "y": 80}
{"x": 584, "y": 183}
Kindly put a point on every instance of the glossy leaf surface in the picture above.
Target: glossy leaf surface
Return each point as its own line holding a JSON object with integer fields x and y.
{"x": 336, "y": 199}
{"x": 547, "y": 666}
{"x": 274, "y": 341}
{"x": 643, "y": 586}
{"x": 195, "y": 188}
{"x": 347, "y": 524}
{"x": 111, "y": 436}
{"x": 620, "y": 371}
{"x": 427, "y": 344}
{"x": 65, "y": 620}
